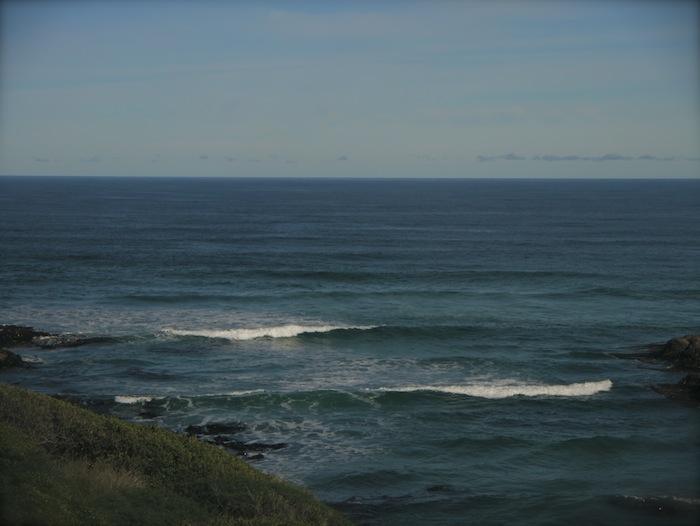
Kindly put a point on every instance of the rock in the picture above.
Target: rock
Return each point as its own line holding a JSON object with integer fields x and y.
{"x": 216, "y": 428}
{"x": 261, "y": 446}
{"x": 9, "y": 359}
{"x": 682, "y": 353}
{"x": 11, "y": 335}
{"x": 54, "y": 341}
{"x": 243, "y": 448}
{"x": 687, "y": 390}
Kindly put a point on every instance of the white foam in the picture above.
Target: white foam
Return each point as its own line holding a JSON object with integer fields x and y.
{"x": 244, "y": 393}
{"x": 132, "y": 399}
{"x": 500, "y": 390}
{"x": 279, "y": 331}
{"x": 31, "y": 359}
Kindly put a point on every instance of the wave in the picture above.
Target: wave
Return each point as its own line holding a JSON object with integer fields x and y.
{"x": 341, "y": 331}
{"x": 132, "y": 399}
{"x": 278, "y": 331}
{"x": 496, "y": 390}
{"x": 245, "y": 392}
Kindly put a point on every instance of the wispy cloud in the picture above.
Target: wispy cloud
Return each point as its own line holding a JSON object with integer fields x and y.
{"x": 504, "y": 157}
{"x": 343, "y": 158}
{"x": 41, "y": 160}
{"x": 595, "y": 158}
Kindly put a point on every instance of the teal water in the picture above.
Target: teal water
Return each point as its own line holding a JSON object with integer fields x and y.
{"x": 432, "y": 351}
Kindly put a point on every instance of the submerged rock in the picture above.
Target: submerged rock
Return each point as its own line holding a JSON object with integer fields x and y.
{"x": 687, "y": 390}
{"x": 10, "y": 359}
{"x": 245, "y": 447}
{"x": 682, "y": 353}
{"x": 216, "y": 428}
{"x": 54, "y": 341}
{"x": 11, "y": 335}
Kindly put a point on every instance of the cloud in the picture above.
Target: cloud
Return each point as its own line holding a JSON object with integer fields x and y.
{"x": 343, "y": 158}
{"x": 41, "y": 160}
{"x": 504, "y": 157}
{"x": 230, "y": 159}
{"x": 204, "y": 157}
{"x": 595, "y": 158}
{"x": 557, "y": 158}
{"x": 93, "y": 159}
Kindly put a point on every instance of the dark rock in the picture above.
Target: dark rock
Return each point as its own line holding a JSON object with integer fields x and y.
{"x": 216, "y": 428}
{"x": 54, "y": 341}
{"x": 682, "y": 353}
{"x": 10, "y": 359}
{"x": 687, "y": 390}
{"x": 261, "y": 446}
{"x": 244, "y": 447}
{"x": 257, "y": 456}
{"x": 11, "y": 335}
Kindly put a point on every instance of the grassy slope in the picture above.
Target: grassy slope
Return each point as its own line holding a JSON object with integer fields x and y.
{"x": 61, "y": 464}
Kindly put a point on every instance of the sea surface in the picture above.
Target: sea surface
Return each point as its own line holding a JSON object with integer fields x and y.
{"x": 431, "y": 351}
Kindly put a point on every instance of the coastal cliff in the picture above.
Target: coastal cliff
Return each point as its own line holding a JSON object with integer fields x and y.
{"x": 61, "y": 464}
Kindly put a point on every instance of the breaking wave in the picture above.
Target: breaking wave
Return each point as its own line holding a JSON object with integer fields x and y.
{"x": 132, "y": 399}
{"x": 279, "y": 331}
{"x": 491, "y": 390}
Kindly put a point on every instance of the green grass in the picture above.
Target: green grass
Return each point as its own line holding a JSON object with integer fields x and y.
{"x": 61, "y": 464}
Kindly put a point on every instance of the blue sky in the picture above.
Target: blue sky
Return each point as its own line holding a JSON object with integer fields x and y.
{"x": 368, "y": 89}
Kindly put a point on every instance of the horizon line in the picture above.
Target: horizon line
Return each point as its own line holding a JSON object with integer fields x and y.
{"x": 349, "y": 178}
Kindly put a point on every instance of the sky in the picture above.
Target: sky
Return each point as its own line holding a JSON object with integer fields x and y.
{"x": 350, "y": 89}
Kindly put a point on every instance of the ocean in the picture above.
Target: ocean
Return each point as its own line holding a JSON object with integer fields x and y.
{"x": 429, "y": 351}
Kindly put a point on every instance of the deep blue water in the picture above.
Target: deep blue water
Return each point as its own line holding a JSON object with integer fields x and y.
{"x": 457, "y": 366}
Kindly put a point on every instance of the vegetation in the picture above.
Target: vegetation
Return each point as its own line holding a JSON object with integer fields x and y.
{"x": 61, "y": 464}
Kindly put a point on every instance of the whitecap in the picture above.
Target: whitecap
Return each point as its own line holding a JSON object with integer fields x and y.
{"x": 278, "y": 331}
{"x": 244, "y": 392}
{"x": 132, "y": 399}
{"x": 31, "y": 359}
{"x": 497, "y": 390}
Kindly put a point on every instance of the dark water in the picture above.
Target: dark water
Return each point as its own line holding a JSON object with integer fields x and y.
{"x": 433, "y": 352}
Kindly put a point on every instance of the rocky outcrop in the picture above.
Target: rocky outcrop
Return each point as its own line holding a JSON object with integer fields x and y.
{"x": 681, "y": 353}
{"x": 216, "y": 428}
{"x": 220, "y": 433}
{"x": 9, "y": 359}
{"x": 54, "y": 341}
{"x": 687, "y": 390}
{"x": 12, "y": 335}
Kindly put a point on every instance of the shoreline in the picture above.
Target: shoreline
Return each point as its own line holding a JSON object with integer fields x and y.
{"x": 63, "y": 464}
